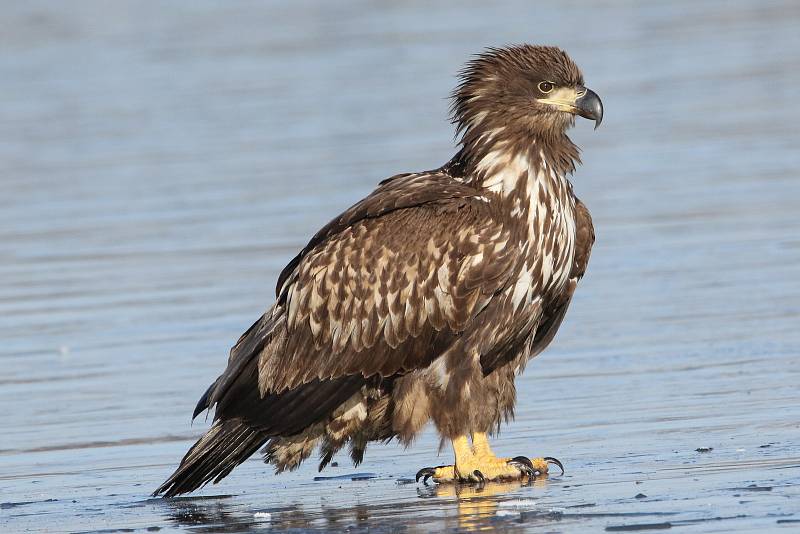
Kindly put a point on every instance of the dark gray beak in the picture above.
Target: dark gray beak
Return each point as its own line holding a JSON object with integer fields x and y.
{"x": 589, "y": 106}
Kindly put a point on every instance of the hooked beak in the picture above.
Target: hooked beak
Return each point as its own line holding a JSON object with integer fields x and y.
{"x": 578, "y": 101}
{"x": 589, "y": 106}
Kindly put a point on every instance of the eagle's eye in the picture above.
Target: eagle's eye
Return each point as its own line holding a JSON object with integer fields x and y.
{"x": 545, "y": 87}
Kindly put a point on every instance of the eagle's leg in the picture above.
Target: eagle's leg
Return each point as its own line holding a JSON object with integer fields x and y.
{"x": 533, "y": 467}
{"x": 477, "y": 463}
{"x": 447, "y": 473}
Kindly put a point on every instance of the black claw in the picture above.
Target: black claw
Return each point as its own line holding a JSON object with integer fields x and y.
{"x": 479, "y": 476}
{"x": 426, "y": 472}
{"x": 522, "y": 460}
{"x": 554, "y": 461}
{"x": 525, "y": 465}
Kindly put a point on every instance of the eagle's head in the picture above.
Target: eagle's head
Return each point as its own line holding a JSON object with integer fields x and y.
{"x": 521, "y": 91}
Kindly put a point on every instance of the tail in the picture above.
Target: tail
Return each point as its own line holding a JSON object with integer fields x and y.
{"x": 223, "y": 447}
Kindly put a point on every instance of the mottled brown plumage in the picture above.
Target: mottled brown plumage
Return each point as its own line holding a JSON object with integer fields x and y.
{"x": 425, "y": 299}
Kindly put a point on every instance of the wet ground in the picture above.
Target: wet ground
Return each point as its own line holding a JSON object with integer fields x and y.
{"x": 159, "y": 164}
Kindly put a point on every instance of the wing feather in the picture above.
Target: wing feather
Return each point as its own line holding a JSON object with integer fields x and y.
{"x": 398, "y": 192}
{"x": 380, "y": 284}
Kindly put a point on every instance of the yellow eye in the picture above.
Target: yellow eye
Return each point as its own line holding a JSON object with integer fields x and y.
{"x": 545, "y": 87}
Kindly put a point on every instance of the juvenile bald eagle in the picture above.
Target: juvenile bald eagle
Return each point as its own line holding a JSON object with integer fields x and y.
{"x": 423, "y": 300}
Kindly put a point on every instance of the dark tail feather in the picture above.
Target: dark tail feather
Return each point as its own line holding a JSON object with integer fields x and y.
{"x": 223, "y": 447}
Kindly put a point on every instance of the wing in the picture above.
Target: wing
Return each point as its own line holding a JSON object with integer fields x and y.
{"x": 382, "y": 289}
{"x": 388, "y": 286}
{"x": 398, "y": 192}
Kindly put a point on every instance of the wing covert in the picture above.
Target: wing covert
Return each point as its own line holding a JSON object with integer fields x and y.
{"x": 397, "y": 192}
{"x": 388, "y": 290}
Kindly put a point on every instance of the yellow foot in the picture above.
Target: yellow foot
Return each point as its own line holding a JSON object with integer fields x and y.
{"x": 477, "y": 463}
{"x": 481, "y": 470}
{"x": 486, "y": 468}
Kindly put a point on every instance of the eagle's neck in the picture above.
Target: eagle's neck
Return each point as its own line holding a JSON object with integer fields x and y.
{"x": 486, "y": 155}
{"x": 506, "y": 172}
{"x": 507, "y": 169}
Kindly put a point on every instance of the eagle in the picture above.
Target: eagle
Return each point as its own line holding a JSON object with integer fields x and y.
{"x": 423, "y": 301}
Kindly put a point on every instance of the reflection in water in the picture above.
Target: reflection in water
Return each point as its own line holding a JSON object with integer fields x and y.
{"x": 478, "y": 505}
{"x": 212, "y": 514}
{"x": 462, "y": 507}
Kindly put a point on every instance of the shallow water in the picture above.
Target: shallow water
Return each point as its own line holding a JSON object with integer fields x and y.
{"x": 158, "y": 167}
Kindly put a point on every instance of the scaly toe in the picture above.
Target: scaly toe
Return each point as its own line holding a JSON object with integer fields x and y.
{"x": 484, "y": 471}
